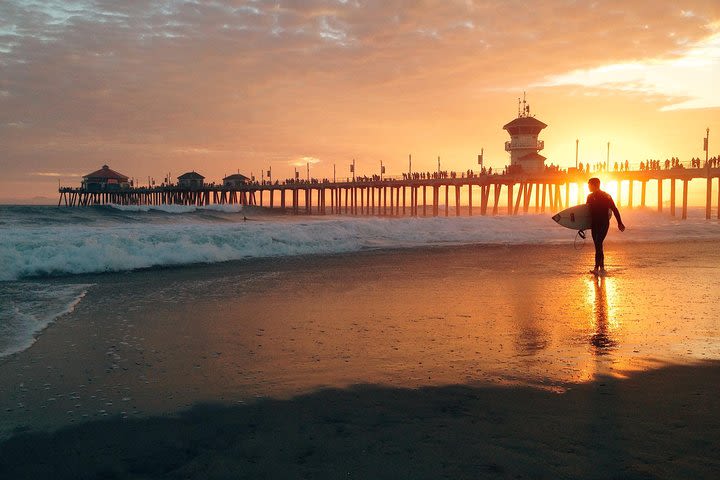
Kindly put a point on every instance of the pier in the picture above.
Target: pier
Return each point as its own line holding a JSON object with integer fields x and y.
{"x": 495, "y": 194}
{"x": 524, "y": 184}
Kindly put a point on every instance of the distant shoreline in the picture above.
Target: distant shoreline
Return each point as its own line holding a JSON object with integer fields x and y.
{"x": 21, "y": 202}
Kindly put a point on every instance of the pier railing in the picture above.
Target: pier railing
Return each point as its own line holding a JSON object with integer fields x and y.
{"x": 515, "y": 145}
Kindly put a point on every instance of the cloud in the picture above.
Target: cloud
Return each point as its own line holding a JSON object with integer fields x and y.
{"x": 303, "y": 161}
{"x": 198, "y": 150}
{"x": 55, "y": 174}
{"x": 689, "y": 80}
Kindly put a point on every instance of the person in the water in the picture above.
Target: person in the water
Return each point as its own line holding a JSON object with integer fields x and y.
{"x": 600, "y": 202}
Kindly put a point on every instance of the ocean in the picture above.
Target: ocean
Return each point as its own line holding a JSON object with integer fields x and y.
{"x": 49, "y": 255}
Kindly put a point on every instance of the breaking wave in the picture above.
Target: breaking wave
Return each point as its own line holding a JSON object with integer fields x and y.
{"x": 136, "y": 241}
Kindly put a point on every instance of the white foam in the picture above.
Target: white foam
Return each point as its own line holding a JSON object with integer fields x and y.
{"x": 28, "y": 308}
{"x": 178, "y": 208}
{"x": 37, "y": 251}
{"x": 223, "y": 208}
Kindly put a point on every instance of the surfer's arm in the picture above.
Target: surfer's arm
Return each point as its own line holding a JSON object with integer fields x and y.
{"x": 616, "y": 212}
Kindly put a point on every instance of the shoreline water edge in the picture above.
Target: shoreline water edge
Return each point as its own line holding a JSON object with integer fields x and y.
{"x": 41, "y": 243}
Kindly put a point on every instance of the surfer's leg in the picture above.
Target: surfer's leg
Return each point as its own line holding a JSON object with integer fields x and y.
{"x": 599, "y": 232}
{"x": 598, "y": 247}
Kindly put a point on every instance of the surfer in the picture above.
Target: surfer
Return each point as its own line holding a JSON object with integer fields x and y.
{"x": 600, "y": 202}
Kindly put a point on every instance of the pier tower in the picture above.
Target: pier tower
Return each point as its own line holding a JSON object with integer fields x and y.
{"x": 524, "y": 146}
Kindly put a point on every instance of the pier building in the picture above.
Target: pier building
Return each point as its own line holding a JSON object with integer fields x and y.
{"x": 191, "y": 180}
{"x": 236, "y": 180}
{"x": 524, "y": 146}
{"x": 104, "y": 179}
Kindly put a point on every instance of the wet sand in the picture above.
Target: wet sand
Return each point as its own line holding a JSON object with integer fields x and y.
{"x": 658, "y": 424}
{"x": 475, "y": 361}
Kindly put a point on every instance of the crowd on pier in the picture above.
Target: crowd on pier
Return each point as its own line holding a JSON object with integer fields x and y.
{"x": 712, "y": 162}
{"x": 447, "y": 174}
{"x": 649, "y": 164}
{"x": 657, "y": 164}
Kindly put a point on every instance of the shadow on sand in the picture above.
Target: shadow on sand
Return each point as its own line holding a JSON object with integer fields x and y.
{"x": 656, "y": 424}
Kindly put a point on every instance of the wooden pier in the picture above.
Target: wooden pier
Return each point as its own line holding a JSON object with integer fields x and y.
{"x": 496, "y": 194}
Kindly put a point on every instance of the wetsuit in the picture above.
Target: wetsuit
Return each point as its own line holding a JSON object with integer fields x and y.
{"x": 600, "y": 202}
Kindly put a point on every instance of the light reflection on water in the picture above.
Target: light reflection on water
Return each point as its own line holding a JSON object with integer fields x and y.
{"x": 465, "y": 316}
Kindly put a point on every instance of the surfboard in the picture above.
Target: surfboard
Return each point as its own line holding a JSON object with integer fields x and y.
{"x": 576, "y": 218}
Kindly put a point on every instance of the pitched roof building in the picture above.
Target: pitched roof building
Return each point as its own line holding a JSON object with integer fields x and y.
{"x": 191, "y": 180}
{"x": 235, "y": 180}
{"x": 105, "y": 178}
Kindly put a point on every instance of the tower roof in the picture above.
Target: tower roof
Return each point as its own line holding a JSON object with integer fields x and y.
{"x": 525, "y": 122}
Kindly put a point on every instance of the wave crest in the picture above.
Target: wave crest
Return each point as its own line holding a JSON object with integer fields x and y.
{"x": 57, "y": 250}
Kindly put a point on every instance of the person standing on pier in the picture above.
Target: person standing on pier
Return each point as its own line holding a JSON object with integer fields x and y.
{"x": 600, "y": 202}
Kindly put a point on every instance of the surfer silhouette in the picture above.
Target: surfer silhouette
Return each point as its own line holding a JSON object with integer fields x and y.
{"x": 600, "y": 202}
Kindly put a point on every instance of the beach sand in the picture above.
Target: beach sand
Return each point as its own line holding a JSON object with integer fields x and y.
{"x": 457, "y": 362}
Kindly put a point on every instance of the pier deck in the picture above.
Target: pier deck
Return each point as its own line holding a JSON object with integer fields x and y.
{"x": 418, "y": 197}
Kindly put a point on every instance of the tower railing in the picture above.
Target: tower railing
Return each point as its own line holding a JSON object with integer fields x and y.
{"x": 524, "y": 144}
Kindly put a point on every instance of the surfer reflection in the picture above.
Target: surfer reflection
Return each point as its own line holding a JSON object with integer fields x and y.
{"x": 601, "y": 341}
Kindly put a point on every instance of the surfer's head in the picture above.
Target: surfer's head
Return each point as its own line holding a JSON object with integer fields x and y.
{"x": 594, "y": 184}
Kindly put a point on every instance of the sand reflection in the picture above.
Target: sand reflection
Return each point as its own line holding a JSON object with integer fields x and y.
{"x": 604, "y": 320}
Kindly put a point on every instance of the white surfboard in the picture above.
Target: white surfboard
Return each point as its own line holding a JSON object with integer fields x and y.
{"x": 576, "y": 218}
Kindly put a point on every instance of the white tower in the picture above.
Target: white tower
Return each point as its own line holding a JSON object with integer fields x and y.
{"x": 524, "y": 144}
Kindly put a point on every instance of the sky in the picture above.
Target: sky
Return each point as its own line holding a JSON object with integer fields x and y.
{"x": 153, "y": 88}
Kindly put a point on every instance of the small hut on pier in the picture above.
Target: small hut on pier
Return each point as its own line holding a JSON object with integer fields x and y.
{"x": 235, "y": 180}
{"x": 191, "y": 180}
{"x": 104, "y": 179}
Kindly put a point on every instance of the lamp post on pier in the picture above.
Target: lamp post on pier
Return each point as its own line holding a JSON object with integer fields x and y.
{"x": 607, "y": 164}
{"x": 577, "y": 145}
{"x": 707, "y": 146}
{"x": 708, "y": 201}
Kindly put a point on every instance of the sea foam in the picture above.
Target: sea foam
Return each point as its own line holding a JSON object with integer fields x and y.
{"x": 36, "y": 251}
{"x": 28, "y": 308}
{"x": 179, "y": 208}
